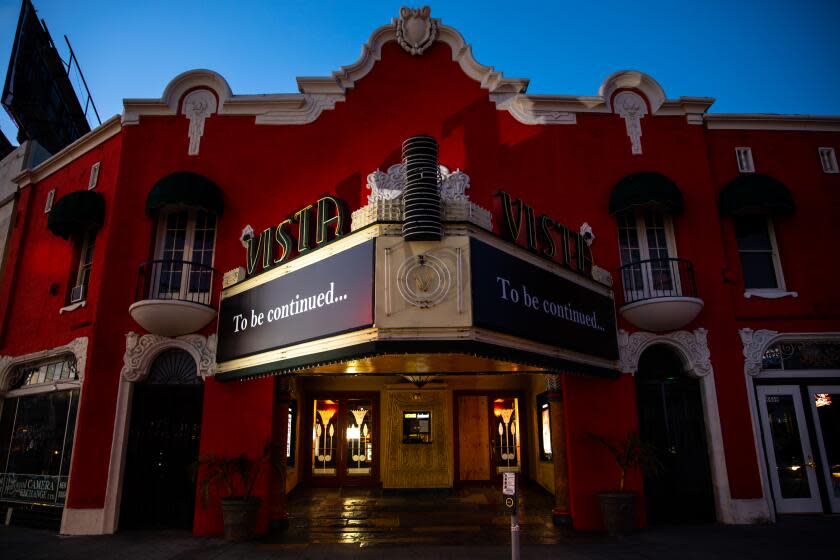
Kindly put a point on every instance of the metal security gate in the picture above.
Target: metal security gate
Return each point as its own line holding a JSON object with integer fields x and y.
{"x": 158, "y": 489}
{"x": 671, "y": 419}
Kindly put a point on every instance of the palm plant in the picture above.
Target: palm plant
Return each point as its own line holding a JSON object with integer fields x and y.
{"x": 631, "y": 453}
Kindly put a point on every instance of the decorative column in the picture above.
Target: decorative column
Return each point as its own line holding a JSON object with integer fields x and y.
{"x": 560, "y": 514}
{"x": 279, "y": 517}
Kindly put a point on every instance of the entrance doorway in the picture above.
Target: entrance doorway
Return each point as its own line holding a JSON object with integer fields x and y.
{"x": 488, "y": 436}
{"x": 801, "y": 432}
{"x": 158, "y": 490}
{"x": 671, "y": 419}
{"x": 345, "y": 435}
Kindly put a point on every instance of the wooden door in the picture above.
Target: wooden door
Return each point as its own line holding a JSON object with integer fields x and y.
{"x": 473, "y": 438}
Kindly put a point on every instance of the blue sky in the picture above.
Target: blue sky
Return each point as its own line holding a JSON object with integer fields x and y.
{"x": 765, "y": 56}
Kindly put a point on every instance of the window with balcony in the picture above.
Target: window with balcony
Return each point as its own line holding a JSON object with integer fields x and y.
{"x": 184, "y": 255}
{"x": 647, "y": 249}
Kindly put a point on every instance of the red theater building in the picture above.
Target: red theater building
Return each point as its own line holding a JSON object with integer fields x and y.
{"x": 415, "y": 275}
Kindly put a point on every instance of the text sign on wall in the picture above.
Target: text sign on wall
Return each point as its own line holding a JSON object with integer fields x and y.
{"x": 33, "y": 488}
{"x": 328, "y": 297}
{"x": 515, "y": 297}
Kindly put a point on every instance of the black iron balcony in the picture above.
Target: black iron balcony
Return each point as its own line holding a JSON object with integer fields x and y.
{"x": 659, "y": 294}
{"x": 173, "y": 297}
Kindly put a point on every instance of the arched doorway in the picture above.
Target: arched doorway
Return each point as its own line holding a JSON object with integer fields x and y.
{"x": 671, "y": 419}
{"x": 158, "y": 490}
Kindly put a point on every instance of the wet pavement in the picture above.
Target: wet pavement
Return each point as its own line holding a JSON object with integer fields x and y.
{"x": 465, "y": 523}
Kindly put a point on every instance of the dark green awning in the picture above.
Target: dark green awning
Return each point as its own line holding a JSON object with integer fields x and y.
{"x": 188, "y": 189}
{"x": 646, "y": 189}
{"x": 76, "y": 212}
{"x": 755, "y": 194}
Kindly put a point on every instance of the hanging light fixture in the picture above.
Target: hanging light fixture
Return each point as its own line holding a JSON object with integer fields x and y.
{"x": 419, "y": 379}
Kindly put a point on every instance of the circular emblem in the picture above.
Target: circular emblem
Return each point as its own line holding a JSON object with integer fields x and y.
{"x": 423, "y": 280}
{"x": 509, "y": 502}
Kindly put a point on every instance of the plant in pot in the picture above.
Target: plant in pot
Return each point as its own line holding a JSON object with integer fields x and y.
{"x": 235, "y": 478}
{"x": 618, "y": 508}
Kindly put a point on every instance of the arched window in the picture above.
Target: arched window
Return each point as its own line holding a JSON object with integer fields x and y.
{"x": 173, "y": 367}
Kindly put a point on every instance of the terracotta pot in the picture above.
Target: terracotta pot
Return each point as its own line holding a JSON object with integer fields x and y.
{"x": 240, "y": 517}
{"x": 619, "y": 512}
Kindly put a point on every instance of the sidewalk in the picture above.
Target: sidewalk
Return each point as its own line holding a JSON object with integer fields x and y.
{"x": 815, "y": 537}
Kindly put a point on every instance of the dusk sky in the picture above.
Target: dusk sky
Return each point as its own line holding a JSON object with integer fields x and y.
{"x": 765, "y": 56}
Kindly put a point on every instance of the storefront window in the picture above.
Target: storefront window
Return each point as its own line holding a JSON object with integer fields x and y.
{"x": 291, "y": 441}
{"x": 544, "y": 420}
{"x": 507, "y": 452}
{"x": 36, "y": 440}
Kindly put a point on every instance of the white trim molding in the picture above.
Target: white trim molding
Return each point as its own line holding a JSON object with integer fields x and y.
{"x": 320, "y": 93}
{"x": 693, "y": 349}
{"x": 140, "y": 352}
{"x": 692, "y": 344}
{"x": 77, "y": 347}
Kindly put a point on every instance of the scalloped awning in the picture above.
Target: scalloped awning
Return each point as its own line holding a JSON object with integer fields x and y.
{"x": 755, "y": 194}
{"x": 187, "y": 189}
{"x": 646, "y": 189}
{"x": 76, "y": 212}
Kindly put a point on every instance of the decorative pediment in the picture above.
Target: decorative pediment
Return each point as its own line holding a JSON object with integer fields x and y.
{"x": 140, "y": 352}
{"x": 693, "y": 346}
{"x": 415, "y": 31}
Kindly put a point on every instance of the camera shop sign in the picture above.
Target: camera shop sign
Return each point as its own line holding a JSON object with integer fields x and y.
{"x": 33, "y": 488}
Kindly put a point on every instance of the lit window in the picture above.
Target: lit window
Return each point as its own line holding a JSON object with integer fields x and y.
{"x": 759, "y": 255}
{"x": 829, "y": 160}
{"x": 745, "y": 160}
{"x": 544, "y": 419}
{"x": 291, "y": 440}
{"x": 82, "y": 278}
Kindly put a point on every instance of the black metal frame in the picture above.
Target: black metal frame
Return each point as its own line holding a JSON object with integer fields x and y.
{"x": 657, "y": 278}
{"x": 175, "y": 280}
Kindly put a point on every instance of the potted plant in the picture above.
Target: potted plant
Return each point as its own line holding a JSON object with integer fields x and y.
{"x": 235, "y": 477}
{"x": 618, "y": 508}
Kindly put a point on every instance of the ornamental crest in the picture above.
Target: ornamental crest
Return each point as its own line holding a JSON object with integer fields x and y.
{"x": 416, "y": 31}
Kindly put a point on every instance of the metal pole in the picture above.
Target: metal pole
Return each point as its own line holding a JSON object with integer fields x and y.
{"x": 514, "y": 521}
{"x": 514, "y": 535}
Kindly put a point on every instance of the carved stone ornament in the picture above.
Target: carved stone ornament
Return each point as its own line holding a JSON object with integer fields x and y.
{"x": 632, "y": 108}
{"x": 416, "y": 30}
{"x": 198, "y": 106}
{"x": 77, "y": 347}
{"x": 755, "y": 343}
{"x": 386, "y": 186}
{"x": 140, "y": 352}
{"x": 386, "y": 192}
{"x": 692, "y": 345}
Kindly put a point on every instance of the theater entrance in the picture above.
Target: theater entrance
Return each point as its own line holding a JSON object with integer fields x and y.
{"x": 487, "y": 435}
{"x": 344, "y": 440}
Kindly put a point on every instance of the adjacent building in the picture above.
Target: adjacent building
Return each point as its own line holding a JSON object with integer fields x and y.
{"x": 414, "y": 274}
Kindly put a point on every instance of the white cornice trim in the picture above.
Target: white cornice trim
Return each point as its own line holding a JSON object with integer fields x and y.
{"x": 86, "y": 143}
{"x": 806, "y": 123}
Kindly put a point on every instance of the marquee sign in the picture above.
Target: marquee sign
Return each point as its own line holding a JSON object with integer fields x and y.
{"x": 276, "y": 245}
{"x": 543, "y": 235}
{"x": 325, "y": 298}
{"x": 515, "y": 297}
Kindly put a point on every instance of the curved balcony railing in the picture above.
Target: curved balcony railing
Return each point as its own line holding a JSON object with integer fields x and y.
{"x": 175, "y": 280}
{"x": 657, "y": 278}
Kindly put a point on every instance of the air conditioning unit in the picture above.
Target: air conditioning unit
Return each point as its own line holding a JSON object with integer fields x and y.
{"x": 77, "y": 294}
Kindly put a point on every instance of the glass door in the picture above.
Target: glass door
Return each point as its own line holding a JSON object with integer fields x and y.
{"x": 825, "y": 408}
{"x": 793, "y": 474}
{"x": 506, "y": 435}
{"x": 343, "y": 440}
